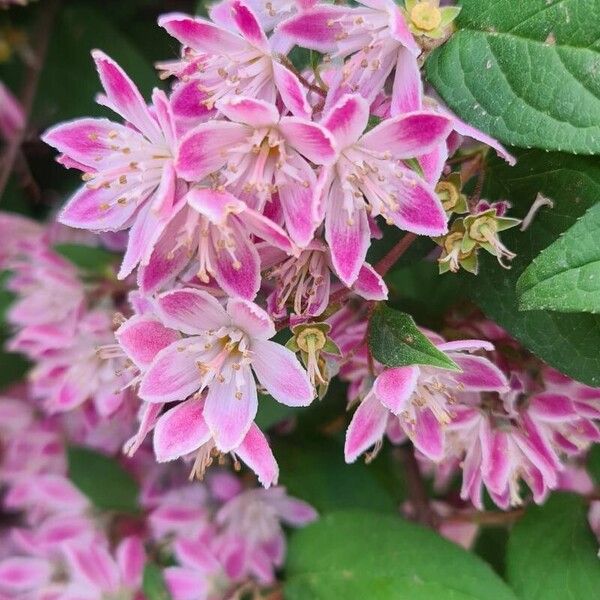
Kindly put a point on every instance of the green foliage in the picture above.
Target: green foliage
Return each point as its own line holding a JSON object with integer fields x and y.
{"x": 395, "y": 340}
{"x": 153, "y": 583}
{"x": 357, "y": 555}
{"x": 525, "y": 72}
{"x": 552, "y": 554}
{"x": 103, "y": 480}
{"x": 90, "y": 259}
{"x": 313, "y": 469}
{"x": 568, "y": 342}
{"x": 566, "y": 276}
{"x": 271, "y": 412}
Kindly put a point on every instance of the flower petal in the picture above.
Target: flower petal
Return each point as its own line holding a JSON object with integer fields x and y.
{"x": 366, "y": 428}
{"x": 173, "y": 374}
{"x": 256, "y": 453}
{"x": 248, "y": 26}
{"x": 409, "y": 135}
{"x": 280, "y": 372}
{"x": 347, "y": 120}
{"x": 19, "y": 574}
{"x": 131, "y": 558}
{"x": 251, "y": 318}
{"x": 230, "y": 409}
{"x": 191, "y": 311}
{"x": 310, "y": 139}
{"x": 369, "y": 284}
{"x": 428, "y": 435}
{"x": 291, "y": 91}
{"x": 407, "y": 93}
{"x": 180, "y": 430}
{"x": 394, "y": 387}
{"x": 478, "y": 374}
{"x": 249, "y": 111}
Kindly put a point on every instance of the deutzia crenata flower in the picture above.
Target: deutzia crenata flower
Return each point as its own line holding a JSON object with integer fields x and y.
{"x": 130, "y": 181}
{"x": 219, "y": 352}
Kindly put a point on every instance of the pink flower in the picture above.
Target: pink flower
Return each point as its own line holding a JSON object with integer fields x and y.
{"x": 218, "y": 353}
{"x": 422, "y": 399}
{"x": 12, "y": 118}
{"x": 236, "y": 61}
{"x": 212, "y": 236}
{"x": 128, "y": 170}
{"x": 261, "y": 154}
{"x": 369, "y": 178}
{"x": 251, "y": 540}
{"x": 305, "y": 281}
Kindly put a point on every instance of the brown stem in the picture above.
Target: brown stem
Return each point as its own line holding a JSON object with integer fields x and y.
{"x": 416, "y": 489}
{"x": 483, "y": 517}
{"x": 390, "y": 259}
{"x": 311, "y": 86}
{"x": 43, "y": 30}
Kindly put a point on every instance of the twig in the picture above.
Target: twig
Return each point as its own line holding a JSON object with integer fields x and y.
{"x": 311, "y": 86}
{"x": 483, "y": 517}
{"x": 416, "y": 489}
{"x": 43, "y": 30}
{"x": 390, "y": 259}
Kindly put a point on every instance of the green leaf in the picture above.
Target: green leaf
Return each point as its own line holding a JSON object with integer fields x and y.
{"x": 566, "y": 276}
{"x": 103, "y": 480}
{"x": 314, "y": 470}
{"x": 395, "y": 341}
{"x": 526, "y": 72}
{"x": 357, "y": 555}
{"x": 552, "y": 554}
{"x": 568, "y": 342}
{"x": 88, "y": 258}
{"x": 271, "y": 412}
{"x": 153, "y": 583}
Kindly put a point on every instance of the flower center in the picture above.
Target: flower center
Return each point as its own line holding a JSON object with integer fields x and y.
{"x": 425, "y": 16}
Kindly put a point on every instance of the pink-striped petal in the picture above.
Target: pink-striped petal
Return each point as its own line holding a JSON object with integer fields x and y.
{"x": 131, "y": 558}
{"x": 369, "y": 284}
{"x": 428, "y": 435}
{"x": 186, "y": 584}
{"x": 366, "y": 428}
{"x": 291, "y": 91}
{"x": 124, "y": 97}
{"x": 310, "y": 139}
{"x": 256, "y": 453}
{"x": 248, "y": 26}
{"x": 96, "y": 566}
{"x": 191, "y": 311}
{"x": 173, "y": 374}
{"x": 251, "y": 318}
{"x": 407, "y": 93}
{"x": 180, "y": 430}
{"x": 409, "y": 135}
{"x": 280, "y": 372}
{"x": 495, "y": 458}
{"x": 394, "y": 387}
{"x": 23, "y": 574}
{"x": 250, "y": 111}
{"x": 478, "y": 374}
{"x": 552, "y": 407}
{"x": 347, "y": 120}
{"x": 400, "y": 31}
{"x": 230, "y": 409}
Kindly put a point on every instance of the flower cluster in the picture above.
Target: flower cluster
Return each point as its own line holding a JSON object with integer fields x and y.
{"x": 219, "y": 535}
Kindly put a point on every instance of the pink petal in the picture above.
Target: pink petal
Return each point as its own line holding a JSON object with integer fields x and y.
{"x": 298, "y": 201}
{"x": 366, "y": 428}
{"x": 191, "y": 311}
{"x": 24, "y": 574}
{"x": 295, "y": 512}
{"x": 538, "y": 450}
{"x": 369, "y": 284}
{"x": 204, "y": 149}
{"x": 249, "y": 27}
{"x": 252, "y": 319}
{"x": 249, "y": 111}
{"x": 124, "y": 97}
{"x": 180, "y": 430}
{"x": 409, "y": 135}
{"x": 280, "y": 372}
{"x": 468, "y": 131}
{"x": 173, "y": 374}
{"x": 291, "y": 91}
{"x": 264, "y": 228}
{"x": 428, "y": 435}
{"x": 142, "y": 337}
{"x": 495, "y": 457}
{"x": 407, "y": 94}
{"x": 400, "y": 31}
{"x": 315, "y": 28}
{"x": 310, "y": 139}
{"x": 186, "y": 584}
{"x": 84, "y": 140}
{"x": 96, "y": 209}
{"x": 131, "y": 558}
{"x": 201, "y": 35}
{"x": 419, "y": 208}
{"x": 348, "y": 236}
{"x": 94, "y": 564}
{"x": 552, "y": 407}
{"x": 479, "y": 374}
{"x": 465, "y": 346}
{"x": 256, "y": 453}
{"x": 188, "y": 102}
{"x": 230, "y": 409}
{"x": 347, "y": 120}
{"x": 433, "y": 163}
{"x": 394, "y": 387}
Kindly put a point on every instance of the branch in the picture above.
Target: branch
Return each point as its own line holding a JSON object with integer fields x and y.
{"x": 416, "y": 489}
{"x": 390, "y": 259}
{"x": 43, "y": 30}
